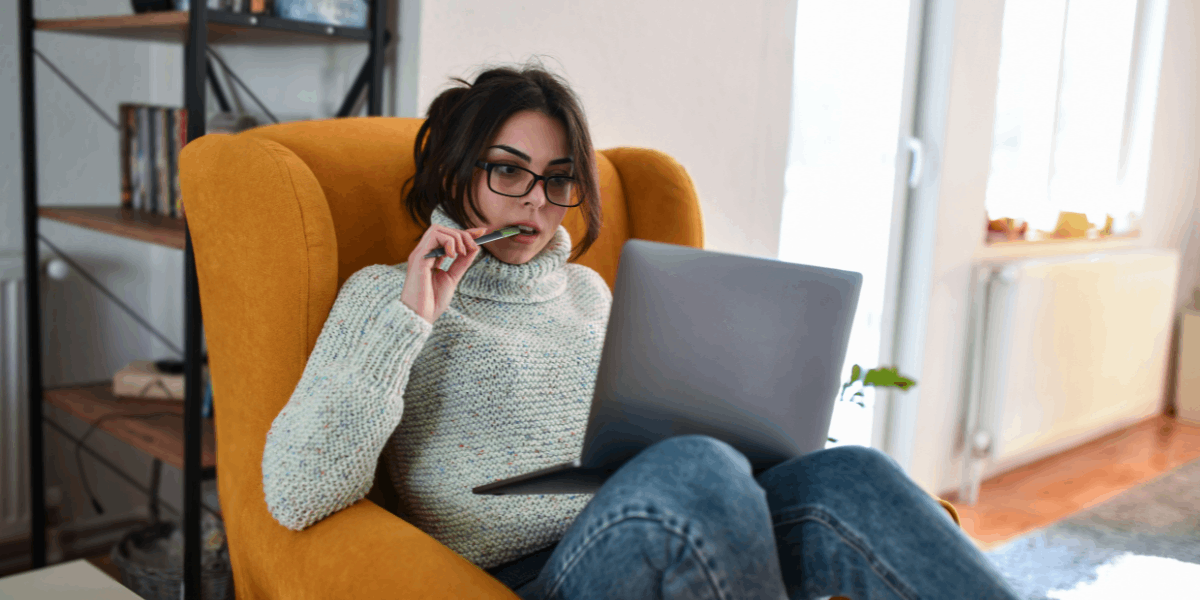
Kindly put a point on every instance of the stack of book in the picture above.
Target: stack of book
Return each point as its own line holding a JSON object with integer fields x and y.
{"x": 151, "y": 138}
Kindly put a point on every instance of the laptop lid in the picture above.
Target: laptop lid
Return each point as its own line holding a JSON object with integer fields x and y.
{"x": 747, "y": 350}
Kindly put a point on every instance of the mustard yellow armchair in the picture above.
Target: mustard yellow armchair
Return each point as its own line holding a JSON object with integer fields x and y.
{"x": 280, "y": 217}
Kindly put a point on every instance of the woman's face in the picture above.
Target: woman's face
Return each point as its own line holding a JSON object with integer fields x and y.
{"x": 536, "y": 142}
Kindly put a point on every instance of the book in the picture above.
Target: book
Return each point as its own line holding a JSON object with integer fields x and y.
{"x": 126, "y": 144}
{"x": 141, "y": 201}
{"x": 183, "y": 140}
{"x": 169, "y": 143}
{"x": 162, "y": 163}
{"x": 141, "y": 379}
{"x": 124, "y": 112}
{"x": 175, "y": 148}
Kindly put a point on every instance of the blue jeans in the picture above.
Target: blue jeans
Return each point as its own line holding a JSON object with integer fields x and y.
{"x": 686, "y": 519}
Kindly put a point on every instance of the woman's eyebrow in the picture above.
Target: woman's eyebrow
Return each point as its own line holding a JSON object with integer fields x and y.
{"x": 510, "y": 149}
{"x": 525, "y": 157}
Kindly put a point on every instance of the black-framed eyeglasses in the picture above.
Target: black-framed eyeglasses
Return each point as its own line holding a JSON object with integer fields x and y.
{"x": 515, "y": 182}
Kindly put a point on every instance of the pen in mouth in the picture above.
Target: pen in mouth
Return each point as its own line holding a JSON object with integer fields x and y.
{"x": 491, "y": 237}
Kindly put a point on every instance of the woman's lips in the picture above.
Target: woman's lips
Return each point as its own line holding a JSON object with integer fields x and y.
{"x": 525, "y": 238}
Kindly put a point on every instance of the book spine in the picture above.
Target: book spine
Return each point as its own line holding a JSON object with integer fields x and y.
{"x": 173, "y": 148}
{"x": 183, "y": 140}
{"x": 142, "y": 142}
{"x": 165, "y": 163}
{"x": 153, "y": 164}
{"x": 126, "y": 188}
{"x": 144, "y": 157}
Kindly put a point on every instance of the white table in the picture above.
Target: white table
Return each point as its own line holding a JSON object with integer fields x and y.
{"x": 74, "y": 580}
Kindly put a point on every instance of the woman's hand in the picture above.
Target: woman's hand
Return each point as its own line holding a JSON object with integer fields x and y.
{"x": 427, "y": 288}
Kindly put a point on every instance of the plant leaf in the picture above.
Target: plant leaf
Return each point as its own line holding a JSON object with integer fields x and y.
{"x": 831, "y": 439}
{"x": 888, "y": 377}
{"x": 855, "y": 373}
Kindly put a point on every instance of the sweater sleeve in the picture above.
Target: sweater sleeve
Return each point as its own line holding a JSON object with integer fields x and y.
{"x": 322, "y": 448}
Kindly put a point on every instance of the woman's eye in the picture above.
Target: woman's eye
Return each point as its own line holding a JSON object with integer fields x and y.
{"x": 506, "y": 169}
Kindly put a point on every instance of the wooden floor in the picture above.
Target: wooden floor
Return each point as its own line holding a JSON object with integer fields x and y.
{"x": 1057, "y": 487}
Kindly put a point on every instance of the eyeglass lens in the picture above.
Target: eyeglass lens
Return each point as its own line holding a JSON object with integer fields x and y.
{"x": 514, "y": 181}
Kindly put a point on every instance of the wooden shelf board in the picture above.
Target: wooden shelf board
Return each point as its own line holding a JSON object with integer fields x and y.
{"x": 124, "y": 222}
{"x": 223, "y": 28}
{"x": 160, "y": 437}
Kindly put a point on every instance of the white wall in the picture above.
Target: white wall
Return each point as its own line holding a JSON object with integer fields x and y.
{"x": 707, "y": 82}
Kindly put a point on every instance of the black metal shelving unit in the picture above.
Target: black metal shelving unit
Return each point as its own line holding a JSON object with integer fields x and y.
{"x": 196, "y": 29}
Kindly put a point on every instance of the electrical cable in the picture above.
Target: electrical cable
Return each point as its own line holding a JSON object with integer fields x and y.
{"x": 132, "y": 482}
{"x": 79, "y": 444}
{"x": 79, "y": 460}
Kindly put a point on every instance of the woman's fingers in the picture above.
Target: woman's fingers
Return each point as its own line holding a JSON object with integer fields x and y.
{"x": 455, "y": 242}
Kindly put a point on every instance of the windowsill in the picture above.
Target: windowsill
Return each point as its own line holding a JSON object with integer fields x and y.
{"x": 1053, "y": 247}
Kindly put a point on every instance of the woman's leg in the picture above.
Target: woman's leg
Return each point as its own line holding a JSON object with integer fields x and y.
{"x": 848, "y": 521}
{"x": 683, "y": 519}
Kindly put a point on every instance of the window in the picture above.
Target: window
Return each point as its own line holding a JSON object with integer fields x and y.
{"x": 1075, "y": 105}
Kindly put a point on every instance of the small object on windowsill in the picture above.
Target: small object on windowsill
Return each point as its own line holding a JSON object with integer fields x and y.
{"x": 144, "y": 379}
{"x": 1006, "y": 230}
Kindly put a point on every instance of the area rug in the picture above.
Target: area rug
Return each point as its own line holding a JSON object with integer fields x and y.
{"x": 1143, "y": 542}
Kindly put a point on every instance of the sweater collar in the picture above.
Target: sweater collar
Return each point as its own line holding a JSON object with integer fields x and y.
{"x": 542, "y": 278}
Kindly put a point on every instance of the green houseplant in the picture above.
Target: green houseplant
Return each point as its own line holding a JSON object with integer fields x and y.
{"x": 877, "y": 378}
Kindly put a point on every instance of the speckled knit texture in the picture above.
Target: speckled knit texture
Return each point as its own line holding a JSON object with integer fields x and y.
{"x": 499, "y": 386}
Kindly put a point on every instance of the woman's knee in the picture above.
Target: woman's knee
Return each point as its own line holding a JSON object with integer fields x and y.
{"x": 863, "y": 456}
{"x": 701, "y": 449}
{"x": 832, "y": 474}
{"x": 687, "y": 471}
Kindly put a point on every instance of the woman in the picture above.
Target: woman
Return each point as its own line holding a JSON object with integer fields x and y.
{"x": 482, "y": 368}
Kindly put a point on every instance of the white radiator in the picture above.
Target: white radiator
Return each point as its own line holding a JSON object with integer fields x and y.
{"x": 14, "y": 400}
{"x": 1062, "y": 350}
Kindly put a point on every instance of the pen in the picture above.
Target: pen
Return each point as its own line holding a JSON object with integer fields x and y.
{"x": 491, "y": 237}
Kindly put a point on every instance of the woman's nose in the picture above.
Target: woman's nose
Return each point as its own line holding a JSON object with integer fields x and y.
{"x": 535, "y": 196}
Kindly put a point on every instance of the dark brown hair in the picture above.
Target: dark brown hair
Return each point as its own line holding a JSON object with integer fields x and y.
{"x": 462, "y": 121}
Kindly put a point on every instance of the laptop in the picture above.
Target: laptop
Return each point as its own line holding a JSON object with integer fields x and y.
{"x": 743, "y": 349}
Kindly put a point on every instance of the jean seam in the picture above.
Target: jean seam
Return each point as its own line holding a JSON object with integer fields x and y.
{"x": 823, "y": 517}
{"x": 590, "y": 538}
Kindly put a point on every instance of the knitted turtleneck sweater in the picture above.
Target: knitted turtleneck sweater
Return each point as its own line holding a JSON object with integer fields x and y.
{"x": 499, "y": 386}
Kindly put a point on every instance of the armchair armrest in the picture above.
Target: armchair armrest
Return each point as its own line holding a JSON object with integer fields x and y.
{"x": 365, "y": 552}
{"x": 950, "y": 509}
